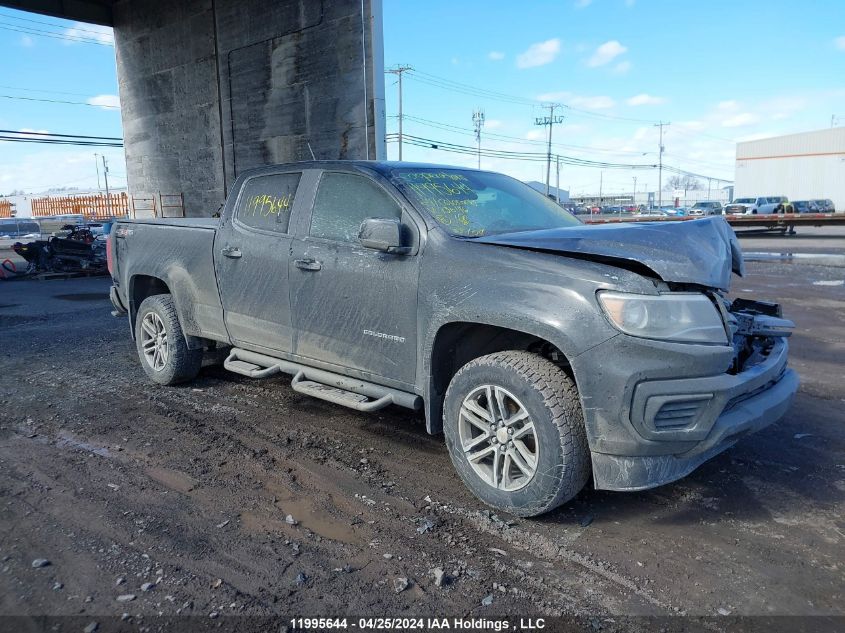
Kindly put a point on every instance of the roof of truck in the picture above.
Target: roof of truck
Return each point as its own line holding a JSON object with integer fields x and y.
{"x": 381, "y": 166}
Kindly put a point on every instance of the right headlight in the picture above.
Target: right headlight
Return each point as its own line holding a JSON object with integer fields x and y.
{"x": 681, "y": 317}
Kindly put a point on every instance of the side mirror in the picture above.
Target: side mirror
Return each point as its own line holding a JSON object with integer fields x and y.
{"x": 382, "y": 234}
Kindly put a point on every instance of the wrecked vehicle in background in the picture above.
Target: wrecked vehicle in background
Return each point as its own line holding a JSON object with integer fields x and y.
{"x": 543, "y": 349}
{"x": 80, "y": 249}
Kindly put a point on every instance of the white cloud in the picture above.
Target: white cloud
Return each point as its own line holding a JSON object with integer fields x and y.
{"x": 839, "y": 42}
{"x": 727, "y": 106}
{"x": 105, "y": 101}
{"x": 580, "y": 4}
{"x": 630, "y": 3}
{"x": 30, "y": 130}
{"x": 622, "y": 67}
{"x": 644, "y": 99}
{"x": 539, "y": 54}
{"x": 27, "y": 41}
{"x": 81, "y": 30}
{"x": 535, "y": 135}
{"x": 495, "y": 55}
{"x": 741, "y": 119}
{"x": 599, "y": 102}
{"x": 592, "y": 103}
{"x": 606, "y": 53}
{"x": 492, "y": 124}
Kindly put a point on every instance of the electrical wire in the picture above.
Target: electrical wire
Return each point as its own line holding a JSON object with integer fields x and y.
{"x": 92, "y": 105}
{"x": 45, "y": 141}
{"x": 51, "y": 34}
{"x": 9, "y": 16}
{"x": 99, "y": 138}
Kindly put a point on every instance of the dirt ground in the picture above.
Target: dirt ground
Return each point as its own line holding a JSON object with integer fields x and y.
{"x": 150, "y": 500}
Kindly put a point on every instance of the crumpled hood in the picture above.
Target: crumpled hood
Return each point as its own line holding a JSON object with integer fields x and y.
{"x": 700, "y": 252}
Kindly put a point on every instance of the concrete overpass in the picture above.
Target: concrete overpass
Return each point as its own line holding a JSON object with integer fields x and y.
{"x": 209, "y": 88}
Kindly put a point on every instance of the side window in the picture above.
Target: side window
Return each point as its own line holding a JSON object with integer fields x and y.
{"x": 266, "y": 201}
{"x": 344, "y": 201}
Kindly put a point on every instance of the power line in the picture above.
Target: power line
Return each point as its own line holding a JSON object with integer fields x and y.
{"x": 93, "y": 105}
{"x": 55, "y": 24}
{"x": 52, "y": 92}
{"x": 530, "y": 156}
{"x": 45, "y": 141}
{"x": 38, "y": 32}
{"x": 517, "y": 139}
{"x": 99, "y": 138}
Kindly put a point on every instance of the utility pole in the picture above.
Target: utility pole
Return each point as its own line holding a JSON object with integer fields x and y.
{"x": 557, "y": 180}
{"x": 398, "y": 71}
{"x": 550, "y": 121}
{"x": 634, "y": 197}
{"x": 601, "y": 184}
{"x": 106, "y": 177}
{"x": 97, "y": 167}
{"x": 661, "y": 125}
{"x": 478, "y": 122}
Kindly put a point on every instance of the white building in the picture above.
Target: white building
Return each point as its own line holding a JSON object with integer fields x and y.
{"x": 805, "y": 166}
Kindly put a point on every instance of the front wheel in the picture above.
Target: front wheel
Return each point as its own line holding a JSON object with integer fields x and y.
{"x": 161, "y": 344}
{"x": 515, "y": 432}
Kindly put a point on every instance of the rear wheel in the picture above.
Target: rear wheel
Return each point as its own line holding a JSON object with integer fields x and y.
{"x": 161, "y": 343}
{"x": 515, "y": 432}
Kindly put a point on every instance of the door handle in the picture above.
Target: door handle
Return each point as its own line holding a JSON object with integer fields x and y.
{"x": 308, "y": 264}
{"x": 232, "y": 251}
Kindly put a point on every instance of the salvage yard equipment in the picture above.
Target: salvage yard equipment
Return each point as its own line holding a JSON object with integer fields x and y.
{"x": 80, "y": 251}
{"x": 544, "y": 350}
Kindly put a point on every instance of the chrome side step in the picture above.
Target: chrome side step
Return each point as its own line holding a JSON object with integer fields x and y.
{"x": 349, "y": 392}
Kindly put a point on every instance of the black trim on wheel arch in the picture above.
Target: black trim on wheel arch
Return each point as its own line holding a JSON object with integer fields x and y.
{"x": 551, "y": 400}
{"x": 182, "y": 364}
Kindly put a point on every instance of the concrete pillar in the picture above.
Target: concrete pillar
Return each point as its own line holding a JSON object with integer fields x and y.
{"x": 209, "y": 88}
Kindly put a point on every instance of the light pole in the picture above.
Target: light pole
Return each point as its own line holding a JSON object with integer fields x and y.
{"x": 634, "y": 197}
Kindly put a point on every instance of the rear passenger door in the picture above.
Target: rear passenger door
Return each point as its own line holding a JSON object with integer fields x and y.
{"x": 251, "y": 256}
{"x": 353, "y": 307}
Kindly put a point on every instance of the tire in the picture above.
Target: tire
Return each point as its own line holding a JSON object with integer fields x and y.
{"x": 174, "y": 363}
{"x": 527, "y": 384}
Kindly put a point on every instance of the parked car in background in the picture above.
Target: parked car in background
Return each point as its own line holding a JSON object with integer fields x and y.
{"x": 805, "y": 206}
{"x": 706, "y": 207}
{"x": 825, "y": 205}
{"x": 762, "y": 204}
{"x": 19, "y": 227}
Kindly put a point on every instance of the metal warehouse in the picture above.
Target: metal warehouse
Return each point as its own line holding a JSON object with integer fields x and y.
{"x": 805, "y": 166}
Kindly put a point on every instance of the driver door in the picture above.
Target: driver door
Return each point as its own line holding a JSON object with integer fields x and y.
{"x": 353, "y": 307}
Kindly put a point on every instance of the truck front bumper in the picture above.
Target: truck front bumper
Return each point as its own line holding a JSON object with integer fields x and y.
{"x": 666, "y": 427}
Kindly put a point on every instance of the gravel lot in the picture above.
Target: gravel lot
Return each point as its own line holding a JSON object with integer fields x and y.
{"x": 231, "y": 496}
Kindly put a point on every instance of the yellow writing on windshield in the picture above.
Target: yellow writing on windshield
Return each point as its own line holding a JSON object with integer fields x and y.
{"x": 447, "y": 196}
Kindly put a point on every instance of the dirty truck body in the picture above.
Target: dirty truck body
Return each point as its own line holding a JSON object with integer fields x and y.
{"x": 543, "y": 349}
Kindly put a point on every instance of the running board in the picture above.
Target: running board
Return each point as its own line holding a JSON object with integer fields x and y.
{"x": 349, "y": 392}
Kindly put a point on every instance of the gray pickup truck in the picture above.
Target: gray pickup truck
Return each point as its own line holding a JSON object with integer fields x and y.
{"x": 543, "y": 349}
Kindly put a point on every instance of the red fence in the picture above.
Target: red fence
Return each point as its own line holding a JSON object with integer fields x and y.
{"x": 96, "y": 207}
{"x": 5, "y": 209}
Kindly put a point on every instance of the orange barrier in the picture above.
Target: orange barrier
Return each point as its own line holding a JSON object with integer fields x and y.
{"x": 5, "y": 209}
{"x": 95, "y": 207}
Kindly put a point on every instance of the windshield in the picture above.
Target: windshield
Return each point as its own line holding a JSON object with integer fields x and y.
{"x": 745, "y": 201}
{"x": 475, "y": 203}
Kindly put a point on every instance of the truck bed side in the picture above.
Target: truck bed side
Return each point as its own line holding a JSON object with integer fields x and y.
{"x": 175, "y": 256}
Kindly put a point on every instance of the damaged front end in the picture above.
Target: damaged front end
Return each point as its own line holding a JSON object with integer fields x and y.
{"x": 676, "y": 424}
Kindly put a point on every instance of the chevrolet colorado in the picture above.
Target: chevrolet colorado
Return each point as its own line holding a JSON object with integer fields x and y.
{"x": 546, "y": 351}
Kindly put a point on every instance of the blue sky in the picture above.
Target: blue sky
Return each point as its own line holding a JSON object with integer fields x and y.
{"x": 719, "y": 71}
